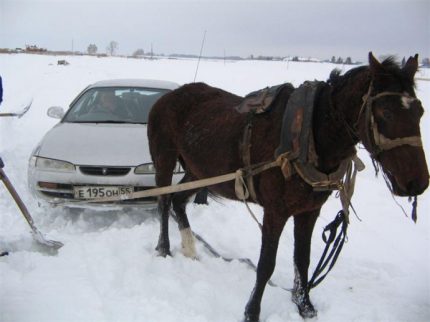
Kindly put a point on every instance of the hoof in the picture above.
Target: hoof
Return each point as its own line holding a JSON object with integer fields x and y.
{"x": 251, "y": 318}
{"x": 192, "y": 256}
{"x": 162, "y": 251}
{"x": 306, "y": 309}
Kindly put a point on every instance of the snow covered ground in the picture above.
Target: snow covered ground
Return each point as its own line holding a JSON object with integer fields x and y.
{"x": 108, "y": 269}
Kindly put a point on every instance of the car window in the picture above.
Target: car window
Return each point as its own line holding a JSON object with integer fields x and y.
{"x": 114, "y": 105}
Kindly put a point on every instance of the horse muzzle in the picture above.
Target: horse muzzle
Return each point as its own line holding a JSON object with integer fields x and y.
{"x": 410, "y": 188}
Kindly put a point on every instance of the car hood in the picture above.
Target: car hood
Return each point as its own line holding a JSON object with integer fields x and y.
{"x": 96, "y": 144}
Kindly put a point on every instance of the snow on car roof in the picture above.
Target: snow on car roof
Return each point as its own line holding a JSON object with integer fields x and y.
{"x": 151, "y": 83}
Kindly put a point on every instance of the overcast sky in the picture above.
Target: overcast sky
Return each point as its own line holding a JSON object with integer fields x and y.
{"x": 306, "y": 28}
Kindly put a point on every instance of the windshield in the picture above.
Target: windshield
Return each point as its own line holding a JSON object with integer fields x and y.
{"x": 114, "y": 105}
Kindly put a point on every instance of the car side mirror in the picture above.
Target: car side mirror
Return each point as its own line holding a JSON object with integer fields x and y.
{"x": 56, "y": 112}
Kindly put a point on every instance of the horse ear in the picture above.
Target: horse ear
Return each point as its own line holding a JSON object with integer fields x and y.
{"x": 411, "y": 66}
{"x": 374, "y": 65}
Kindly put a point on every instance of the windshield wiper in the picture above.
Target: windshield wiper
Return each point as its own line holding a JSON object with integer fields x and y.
{"x": 120, "y": 122}
{"x": 107, "y": 121}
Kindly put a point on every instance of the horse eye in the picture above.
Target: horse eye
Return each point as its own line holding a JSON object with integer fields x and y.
{"x": 387, "y": 115}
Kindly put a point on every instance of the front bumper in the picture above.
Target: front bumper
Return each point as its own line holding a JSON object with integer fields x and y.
{"x": 57, "y": 187}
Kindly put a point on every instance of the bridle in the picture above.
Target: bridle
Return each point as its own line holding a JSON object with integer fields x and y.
{"x": 378, "y": 142}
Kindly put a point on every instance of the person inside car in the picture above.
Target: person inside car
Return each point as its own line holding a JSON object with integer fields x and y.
{"x": 108, "y": 102}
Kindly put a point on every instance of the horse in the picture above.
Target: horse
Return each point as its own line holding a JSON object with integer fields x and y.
{"x": 197, "y": 124}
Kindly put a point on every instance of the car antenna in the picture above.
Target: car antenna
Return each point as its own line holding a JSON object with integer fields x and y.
{"x": 200, "y": 56}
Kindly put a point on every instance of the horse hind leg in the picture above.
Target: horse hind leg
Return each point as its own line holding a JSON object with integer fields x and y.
{"x": 179, "y": 201}
{"x": 303, "y": 226}
{"x": 163, "y": 245}
{"x": 164, "y": 166}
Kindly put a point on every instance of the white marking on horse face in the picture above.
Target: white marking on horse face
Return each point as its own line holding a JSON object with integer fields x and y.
{"x": 188, "y": 246}
{"x": 407, "y": 100}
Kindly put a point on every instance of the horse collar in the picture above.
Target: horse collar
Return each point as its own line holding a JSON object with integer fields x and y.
{"x": 297, "y": 141}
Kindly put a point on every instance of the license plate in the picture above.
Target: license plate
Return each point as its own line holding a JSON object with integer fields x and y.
{"x": 90, "y": 192}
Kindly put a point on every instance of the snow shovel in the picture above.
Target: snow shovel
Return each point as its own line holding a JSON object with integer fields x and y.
{"x": 37, "y": 235}
{"x": 18, "y": 114}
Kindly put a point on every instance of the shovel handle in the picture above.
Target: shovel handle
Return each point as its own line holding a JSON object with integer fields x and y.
{"x": 37, "y": 235}
{"x": 17, "y": 199}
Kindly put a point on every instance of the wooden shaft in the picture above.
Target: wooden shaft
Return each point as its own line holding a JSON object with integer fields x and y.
{"x": 17, "y": 198}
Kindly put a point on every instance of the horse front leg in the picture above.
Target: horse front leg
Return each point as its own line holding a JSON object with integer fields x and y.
{"x": 303, "y": 226}
{"x": 273, "y": 225}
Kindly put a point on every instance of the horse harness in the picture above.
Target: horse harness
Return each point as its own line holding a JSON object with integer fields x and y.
{"x": 296, "y": 151}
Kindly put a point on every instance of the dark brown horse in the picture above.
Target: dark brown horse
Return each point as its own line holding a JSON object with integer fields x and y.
{"x": 197, "y": 125}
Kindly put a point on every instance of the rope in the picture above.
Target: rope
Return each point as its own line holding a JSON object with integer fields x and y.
{"x": 237, "y": 176}
{"x": 242, "y": 192}
{"x": 346, "y": 188}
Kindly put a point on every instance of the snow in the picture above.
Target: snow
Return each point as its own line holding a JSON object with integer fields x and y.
{"x": 108, "y": 269}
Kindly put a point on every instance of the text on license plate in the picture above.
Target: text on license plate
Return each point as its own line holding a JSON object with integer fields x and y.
{"x": 101, "y": 192}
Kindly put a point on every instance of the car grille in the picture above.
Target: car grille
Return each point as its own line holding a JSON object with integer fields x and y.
{"x": 105, "y": 171}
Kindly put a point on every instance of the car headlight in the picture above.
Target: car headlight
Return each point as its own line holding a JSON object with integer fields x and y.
{"x": 51, "y": 164}
{"x": 148, "y": 168}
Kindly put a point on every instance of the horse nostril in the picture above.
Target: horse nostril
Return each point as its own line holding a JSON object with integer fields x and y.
{"x": 416, "y": 187}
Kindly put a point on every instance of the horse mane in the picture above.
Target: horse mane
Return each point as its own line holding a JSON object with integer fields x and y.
{"x": 389, "y": 64}
{"x": 337, "y": 80}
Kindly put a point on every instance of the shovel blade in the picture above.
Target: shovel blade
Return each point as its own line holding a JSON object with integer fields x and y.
{"x": 38, "y": 237}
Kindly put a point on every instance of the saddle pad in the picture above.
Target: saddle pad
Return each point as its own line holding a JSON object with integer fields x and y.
{"x": 260, "y": 101}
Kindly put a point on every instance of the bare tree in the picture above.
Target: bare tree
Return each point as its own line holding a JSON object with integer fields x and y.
{"x": 92, "y": 49}
{"x": 138, "y": 53}
{"x": 112, "y": 48}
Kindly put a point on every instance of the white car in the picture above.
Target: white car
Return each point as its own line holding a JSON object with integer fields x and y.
{"x": 97, "y": 152}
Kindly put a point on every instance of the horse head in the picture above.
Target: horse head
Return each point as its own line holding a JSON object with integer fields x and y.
{"x": 389, "y": 126}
